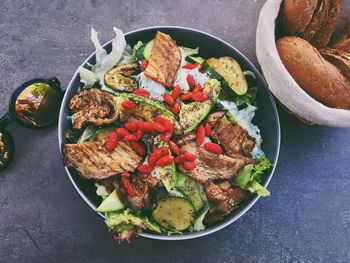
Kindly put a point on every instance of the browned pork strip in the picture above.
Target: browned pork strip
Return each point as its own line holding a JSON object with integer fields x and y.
{"x": 93, "y": 161}
{"x": 93, "y": 106}
{"x": 210, "y": 166}
{"x": 233, "y": 137}
{"x": 223, "y": 197}
{"x": 145, "y": 191}
{"x": 164, "y": 61}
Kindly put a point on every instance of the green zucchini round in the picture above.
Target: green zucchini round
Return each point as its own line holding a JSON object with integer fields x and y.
{"x": 174, "y": 213}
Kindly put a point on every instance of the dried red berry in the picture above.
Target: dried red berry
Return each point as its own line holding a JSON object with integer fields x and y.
{"x": 207, "y": 129}
{"x": 213, "y": 147}
{"x": 176, "y": 108}
{"x": 145, "y": 168}
{"x": 112, "y": 142}
{"x": 189, "y": 165}
{"x": 168, "y": 99}
{"x": 174, "y": 148}
{"x": 138, "y": 148}
{"x": 128, "y": 104}
{"x": 165, "y": 160}
{"x": 200, "y": 135}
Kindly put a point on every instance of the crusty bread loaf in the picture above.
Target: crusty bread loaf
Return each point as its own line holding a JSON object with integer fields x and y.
{"x": 342, "y": 42}
{"x": 319, "y": 16}
{"x": 323, "y": 35}
{"x": 297, "y": 14}
{"x": 319, "y": 78}
{"x": 338, "y": 58}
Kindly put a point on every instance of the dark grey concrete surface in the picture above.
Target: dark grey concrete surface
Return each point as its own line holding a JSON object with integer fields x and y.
{"x": 42, "y": 217}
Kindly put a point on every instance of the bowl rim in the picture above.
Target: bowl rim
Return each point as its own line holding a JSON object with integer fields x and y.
{"x": 216, "y": 228}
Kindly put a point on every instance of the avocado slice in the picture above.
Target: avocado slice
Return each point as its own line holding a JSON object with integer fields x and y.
{"x": 189, "y": 187}
{"x": 148, "y": 109}
{"x": 193, "y": 113}
{"x": 111, "y": 203}
{"x": 118, "y": 220}
{"x": 166, "y": 173}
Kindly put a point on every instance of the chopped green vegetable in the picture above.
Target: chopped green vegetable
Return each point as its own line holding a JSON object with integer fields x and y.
{"x": 72, "y": 136}
{"x": 38, "y": 89}
{"x": 250, "y": 177}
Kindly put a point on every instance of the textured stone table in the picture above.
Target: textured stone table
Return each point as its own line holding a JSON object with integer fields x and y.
{"x": 42, "y": 217}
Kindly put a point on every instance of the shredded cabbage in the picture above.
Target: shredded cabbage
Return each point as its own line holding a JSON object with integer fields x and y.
{"x": 104, "y": 61}
{"x": 87, "y": 77}
{"x": 155, "y": 89}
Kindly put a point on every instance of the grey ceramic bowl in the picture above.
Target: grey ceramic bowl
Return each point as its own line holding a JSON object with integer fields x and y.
{"x": 266, "y": 117}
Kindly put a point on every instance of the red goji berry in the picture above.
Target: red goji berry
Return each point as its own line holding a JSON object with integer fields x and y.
{"x": 180, "y": 158}
{"x": 154, "y": 157}
{"x": 143, "y": 64}
{"x": 186, "y": 96}
{"x": 146, "y": 126}
{"x": 165, "y": 122}
{"x": 191, "y": 66}
{"x": 200, "y": 135}
{"x": 176, "y": 108}
{"x": 197, "y": 88}
{"x": 132, "y": 125}
{"x": 168, "y": 99}
{"x": 190, "y": 81}
{"x": 130, "y": 137}
{"x": 199, "y": 96}
{"x": 139, "y": 134}
{"x": 138, "y": 148}
{"x": 112, "y": 142}
{"x": 189, "y": 165}
{"x": 207, "y": 129}
{"x": 122, "y": 132}
{"x": 165, "y": 160}
{"x": 158, "y": 127}
{"x": 128, "y": 104}
{"x": 166, "y": 136}
{"x": 174, "y": 148}
{"x": 176, "y": 92}
{"x": 190, "y": 157}
{"x": 145, "y": 168}
{"x": 125, "y": 174}
{"x": 142, "y": 92}
{"x": 213, "y": 147}
{"x": 129, "y": 188}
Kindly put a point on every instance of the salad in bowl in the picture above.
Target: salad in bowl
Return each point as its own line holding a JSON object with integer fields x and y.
{"x": 166, "y": 136}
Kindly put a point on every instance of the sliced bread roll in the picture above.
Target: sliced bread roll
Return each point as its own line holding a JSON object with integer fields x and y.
{"x": 319, "y": 78}
{"x": 338, "y": 58}
{"x": 320, "y": 15}
{"x": 297, "y": 14}
{"x": 323, "y": 35}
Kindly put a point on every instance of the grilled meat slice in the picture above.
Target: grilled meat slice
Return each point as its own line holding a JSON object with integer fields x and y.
{"x": 93, "y": 106}
{"x": 210, "y": 166}
{"x": 128, "y": 116}
{"x": 186, "y": 139}
{"x": 223, "y": 198}
{"x": 164, "y": 61}
{"x": 233, "y": 137}
{"x": 146, "y": 194}
{"x": 93, "y": 161}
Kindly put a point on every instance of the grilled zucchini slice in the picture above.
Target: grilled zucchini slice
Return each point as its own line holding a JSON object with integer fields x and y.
{"x": 121, "y": 77}
{"x": 229, "y": 72}
{"x": 174, "y": 213}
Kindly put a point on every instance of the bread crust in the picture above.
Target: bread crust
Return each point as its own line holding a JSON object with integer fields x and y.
{"x": 319, "y": 78}
{"x": 338, "y": 58}
{"x": 297, "y": 14}
{"x": 320, "y": 15}
{"x": 323, "y": 35}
